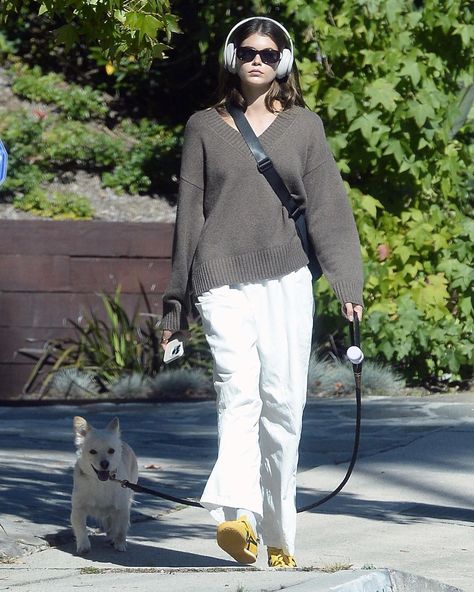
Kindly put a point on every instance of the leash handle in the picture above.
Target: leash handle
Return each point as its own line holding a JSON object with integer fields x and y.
{"x": 354, "y": 353}
{"x": 354, "y": 330}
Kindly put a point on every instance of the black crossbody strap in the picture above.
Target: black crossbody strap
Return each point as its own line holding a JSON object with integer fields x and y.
{"x": 265, "y": 166}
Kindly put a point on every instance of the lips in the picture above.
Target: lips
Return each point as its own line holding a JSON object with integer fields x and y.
{"x": 102, "y": 475}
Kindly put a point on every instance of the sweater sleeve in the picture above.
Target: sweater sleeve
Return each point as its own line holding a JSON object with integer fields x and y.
{"x": 330, "y": 221}
{"x": 188, "y": 226}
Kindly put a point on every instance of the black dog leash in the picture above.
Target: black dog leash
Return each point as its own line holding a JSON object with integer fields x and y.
{"x": 356, "y": 358}
{"x": 141, "y": 489}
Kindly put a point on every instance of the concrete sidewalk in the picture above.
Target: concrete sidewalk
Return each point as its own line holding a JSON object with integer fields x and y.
{"x": 406, "y": 512}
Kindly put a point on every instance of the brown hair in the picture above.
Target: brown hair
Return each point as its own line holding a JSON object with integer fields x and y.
{"x": 287, "y": 90}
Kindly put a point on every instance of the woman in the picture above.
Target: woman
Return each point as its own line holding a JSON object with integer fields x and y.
{"x": 237, "y": 251}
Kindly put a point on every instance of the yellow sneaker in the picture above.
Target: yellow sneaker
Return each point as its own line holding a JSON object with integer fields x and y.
{"x": 276, "y": 558}
{"x": 238, "y": 539}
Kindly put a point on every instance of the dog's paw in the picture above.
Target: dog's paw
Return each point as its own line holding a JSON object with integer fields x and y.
{"x": 120, "y": 546}
{"x": 83, "y": 547}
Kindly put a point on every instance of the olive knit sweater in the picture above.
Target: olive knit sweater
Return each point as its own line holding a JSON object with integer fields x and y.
{"x": 232, "y": 228}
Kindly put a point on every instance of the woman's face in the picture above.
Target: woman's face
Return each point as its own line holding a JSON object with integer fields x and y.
{"x": 252, "y": 70}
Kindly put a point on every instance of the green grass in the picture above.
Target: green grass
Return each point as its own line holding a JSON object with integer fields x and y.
{"x": 91, "y": 570}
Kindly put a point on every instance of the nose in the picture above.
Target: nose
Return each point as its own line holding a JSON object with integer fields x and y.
{"x": 104, "y": 464}
{"x": 257, "y": 59}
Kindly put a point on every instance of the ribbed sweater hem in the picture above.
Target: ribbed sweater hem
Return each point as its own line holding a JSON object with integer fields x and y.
{"x": 249, "y": 267}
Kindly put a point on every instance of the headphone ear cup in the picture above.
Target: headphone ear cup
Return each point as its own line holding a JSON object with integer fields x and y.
{"x": 285, "y": 65}
{"x": 230, "y": 58}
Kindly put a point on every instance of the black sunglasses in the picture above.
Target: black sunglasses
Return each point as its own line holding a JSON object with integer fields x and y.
{"x": 268, "y": 56}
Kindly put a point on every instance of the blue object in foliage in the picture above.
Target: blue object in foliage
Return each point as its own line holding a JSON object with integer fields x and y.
{"x": 3, "y": 162}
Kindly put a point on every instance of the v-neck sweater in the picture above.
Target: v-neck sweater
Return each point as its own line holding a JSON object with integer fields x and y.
{"x": 231, "y": 227}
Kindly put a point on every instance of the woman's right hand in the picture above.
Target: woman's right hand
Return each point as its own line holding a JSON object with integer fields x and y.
{"x": 165, "y": 337}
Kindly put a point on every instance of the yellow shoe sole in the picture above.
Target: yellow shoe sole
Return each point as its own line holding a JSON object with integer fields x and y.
{"x": 237, "y": 538}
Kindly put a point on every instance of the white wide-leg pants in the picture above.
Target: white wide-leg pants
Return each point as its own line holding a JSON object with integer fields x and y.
{"x": 260, "y": 338}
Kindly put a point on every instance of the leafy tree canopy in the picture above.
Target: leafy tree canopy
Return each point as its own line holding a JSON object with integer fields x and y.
{"x": 138, "y": 28}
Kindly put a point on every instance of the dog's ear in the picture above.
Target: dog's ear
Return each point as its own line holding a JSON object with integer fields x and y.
{"x": 80, "y": 427}
{"x": 113, "y": 425}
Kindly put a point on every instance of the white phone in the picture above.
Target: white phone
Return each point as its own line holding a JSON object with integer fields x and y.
{"x": 173, "y": 351}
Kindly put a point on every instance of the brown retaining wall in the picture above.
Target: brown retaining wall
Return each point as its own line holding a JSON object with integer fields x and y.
{"x": 52, "y": 271}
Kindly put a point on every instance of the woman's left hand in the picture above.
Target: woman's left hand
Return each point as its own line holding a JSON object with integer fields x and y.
{"x": 349, "y": 310}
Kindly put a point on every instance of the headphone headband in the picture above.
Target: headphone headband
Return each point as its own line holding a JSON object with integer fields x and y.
{"x": 229, "y": 48}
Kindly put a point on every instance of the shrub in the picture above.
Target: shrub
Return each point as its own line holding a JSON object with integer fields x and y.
{"x": 134, "y": 157}
{"x": 393, "y": 83}
{"x": 76, "y": 102}
{"x": 6, "y": 46}
{"x": 59, "y": 206}
{"x": 72, "y": 144}
{"x": 151, "y": 159}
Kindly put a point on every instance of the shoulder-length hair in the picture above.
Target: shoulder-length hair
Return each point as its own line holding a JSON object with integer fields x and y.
{"x": 286, "y": 90}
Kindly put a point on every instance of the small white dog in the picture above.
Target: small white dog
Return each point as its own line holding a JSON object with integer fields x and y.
{"x": 102, "y": 454}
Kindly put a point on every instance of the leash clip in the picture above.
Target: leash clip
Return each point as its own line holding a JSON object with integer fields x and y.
{"x": 123, "y": 482}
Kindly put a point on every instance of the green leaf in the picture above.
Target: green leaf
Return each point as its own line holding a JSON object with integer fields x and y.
{"x": 366, "y": 123}
{"x": 394, "y": 147}
{"x": 466, "y": 307}
{"x": 370, "y": 204}
{"x": 68, "y": 35}
{"x": 411, "y": 69}
{"x": 420, "y": 112}
{"x": 393, "y": 9}
{"x": 172, "y": 23}
{"x": 403, "y": 252}
{"x": 382, "y": 92}
{"x": 133, "y": 20}
{"x": 150, "y": 25}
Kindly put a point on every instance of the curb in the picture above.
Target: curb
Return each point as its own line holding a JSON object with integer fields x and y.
{"x": 380, "y": 580}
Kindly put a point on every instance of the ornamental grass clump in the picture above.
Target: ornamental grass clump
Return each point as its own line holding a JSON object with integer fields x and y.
{"x": 334, "y": 377}
{"x": 121, "y": 353}
{"x": 72, "y": 383}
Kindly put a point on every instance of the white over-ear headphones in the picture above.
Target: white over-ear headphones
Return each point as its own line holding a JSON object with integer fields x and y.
{"x": 286, "y": 62}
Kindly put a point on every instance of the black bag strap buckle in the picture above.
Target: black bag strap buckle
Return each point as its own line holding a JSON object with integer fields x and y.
{"x": 264, "y": 165}
{"x": 295, "y": 213}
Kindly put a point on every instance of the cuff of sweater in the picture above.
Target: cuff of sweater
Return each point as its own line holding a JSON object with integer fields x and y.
{"x": 174, "y": 320}
{"x": 349, "y": 292}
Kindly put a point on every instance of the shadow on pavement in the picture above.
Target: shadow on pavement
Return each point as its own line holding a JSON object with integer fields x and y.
{"x": 138, "y": 554}
{"x": 183, "y": 438}
{"x": 400, "y": 513}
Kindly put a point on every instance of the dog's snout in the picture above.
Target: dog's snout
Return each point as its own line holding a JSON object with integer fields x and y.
{"x": 104, "y": 464}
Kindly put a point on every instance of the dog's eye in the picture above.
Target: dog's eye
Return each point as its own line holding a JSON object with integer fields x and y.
{"x": 111, "y": 450}
{"x": 93, "y": 451}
